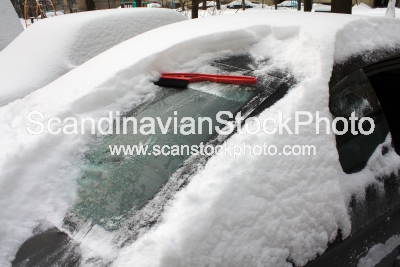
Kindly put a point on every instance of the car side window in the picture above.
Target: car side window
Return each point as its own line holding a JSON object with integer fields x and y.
{"x": 356, "y": 94}
{"x": 386, "y": 83}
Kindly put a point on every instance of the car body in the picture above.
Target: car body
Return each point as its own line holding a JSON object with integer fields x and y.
{"x": 288, "y": 4}
{"x": 371, "y": 217}
{"x": 204, "y": 210}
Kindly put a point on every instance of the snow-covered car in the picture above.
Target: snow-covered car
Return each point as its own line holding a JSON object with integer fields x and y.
{"x": 238, "y": 4}
{"x": 288, "y": 4}
{"x": 154, "y": 5}
{"x": 76, "y": 201}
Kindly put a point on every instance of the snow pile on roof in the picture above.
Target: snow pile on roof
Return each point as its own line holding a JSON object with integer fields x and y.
{"x": 52, "y": 47}
{"x": 254, "y": 210}
{"x": 10, "y": 27}
{"x": 346, "y": 44}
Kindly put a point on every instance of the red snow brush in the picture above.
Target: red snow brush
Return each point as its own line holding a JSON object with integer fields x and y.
{"x": 181, "y": 80}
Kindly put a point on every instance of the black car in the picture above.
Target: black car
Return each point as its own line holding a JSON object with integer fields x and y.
{"x": 127, "y": 195}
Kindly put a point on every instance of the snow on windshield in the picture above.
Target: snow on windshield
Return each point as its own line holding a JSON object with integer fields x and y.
{"x": 252, "y": 210}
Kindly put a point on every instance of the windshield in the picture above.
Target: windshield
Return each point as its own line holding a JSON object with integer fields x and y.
{"x": 112, "y": 185}
{"x": 114, "y": 188}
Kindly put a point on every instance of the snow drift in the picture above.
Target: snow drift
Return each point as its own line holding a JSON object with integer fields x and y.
{"x": 249, "y": 211}
{"x": 51, "y": 47}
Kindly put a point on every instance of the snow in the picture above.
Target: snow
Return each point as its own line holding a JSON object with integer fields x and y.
{"x": 288, "y": 4}
{"x": 10, "y": 27}
{"x": 51, "y": 14}
{"x": 361, "y": 6}
{"x": 391, "y": 9}
{"x": 249, "y": 211}
{"x": 378, "y": 252}
{"x": 346, "y": 45}
{"x": 51, "y": 47}
{"x": 374, "y": 12}
{"x": 48, "y": 14}
{"x": 209, "y": 4}
{"x": 240, "y": 3}
{"x": 359, "y": 10}
{"x": 321, "y": 8}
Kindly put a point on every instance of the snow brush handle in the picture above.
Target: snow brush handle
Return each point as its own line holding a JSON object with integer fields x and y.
{"x": 199, "y": 77}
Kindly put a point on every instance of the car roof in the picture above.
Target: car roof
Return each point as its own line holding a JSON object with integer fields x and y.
{"x": 160, "y": 49}
{"x": 283, "y": 25}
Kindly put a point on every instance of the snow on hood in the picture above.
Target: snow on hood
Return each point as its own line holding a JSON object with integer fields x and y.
{"x": 250, "y": 211}
{"x": 51, "y": 47}
{"x": 10, "y": 27}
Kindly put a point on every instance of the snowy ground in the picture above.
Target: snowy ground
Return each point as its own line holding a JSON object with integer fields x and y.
{"x": 250, "y": 211}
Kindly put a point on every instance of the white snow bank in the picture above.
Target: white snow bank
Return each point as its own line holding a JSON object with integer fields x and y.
{"x": 391, "y": 9}
{"x": 360, "y": 9}
{"x": 240, "y": 2}
{"x": 10, "y": 27}
{"x": 51, "y": 47}
{"x": 250, "y": 211}
{"x": 379, "y": 251}
{"x": 373, "y": 12}
{"x": 361, "y": 6}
